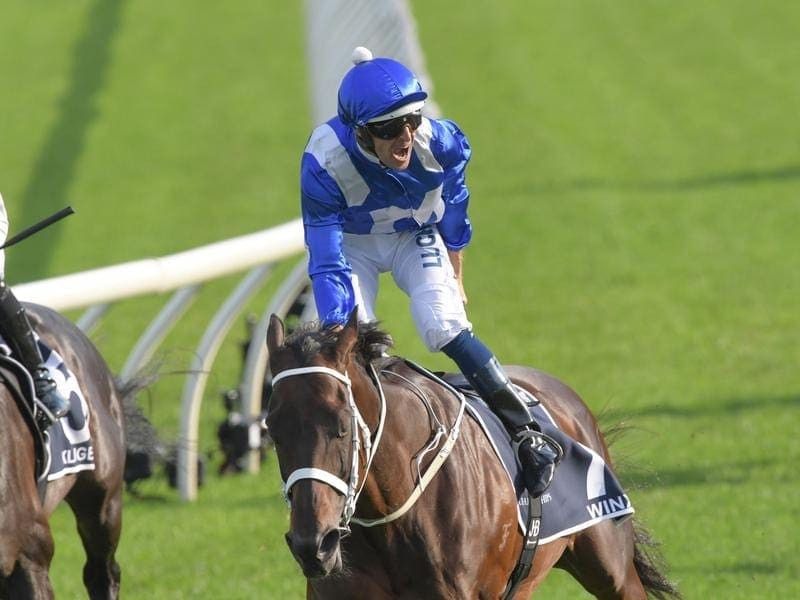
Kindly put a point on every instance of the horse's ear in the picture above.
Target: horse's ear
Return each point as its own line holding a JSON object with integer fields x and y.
{"x": 348, "y": 336}
{"x": 275, "y": 334}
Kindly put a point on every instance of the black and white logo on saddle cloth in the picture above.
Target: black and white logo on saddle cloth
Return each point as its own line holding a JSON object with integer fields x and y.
{"x": 583, "y": 492}
{"x": 68, "y": 445}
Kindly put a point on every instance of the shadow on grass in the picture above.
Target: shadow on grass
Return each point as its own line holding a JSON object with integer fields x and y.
{"x": 735, "y": 474}
{"x": 617, "y": 424}
{"x": 750, "y": 568}
{"x": 48, "y": 186}
{"x": 745, "y": 177}
{"x": 710, "y": 408}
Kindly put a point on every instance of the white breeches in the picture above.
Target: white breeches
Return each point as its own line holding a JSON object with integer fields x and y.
{"x": 420, "y": 266}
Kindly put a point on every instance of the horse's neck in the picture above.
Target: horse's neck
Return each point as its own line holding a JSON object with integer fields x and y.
{"x": 407, "y": 429}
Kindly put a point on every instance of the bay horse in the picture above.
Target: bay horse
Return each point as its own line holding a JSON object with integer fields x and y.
{"x": 347, "y": 452}
{"x": 95, "y": 496}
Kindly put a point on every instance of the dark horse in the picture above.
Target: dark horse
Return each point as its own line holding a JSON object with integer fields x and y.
{"x": 460, "y": 539}
{"x": 95, "y": 496}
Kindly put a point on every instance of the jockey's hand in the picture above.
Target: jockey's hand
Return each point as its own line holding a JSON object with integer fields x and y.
{"x": 461, "y": 290}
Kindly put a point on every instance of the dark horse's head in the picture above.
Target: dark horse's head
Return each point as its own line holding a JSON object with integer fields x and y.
{"x": 310, "y": 420}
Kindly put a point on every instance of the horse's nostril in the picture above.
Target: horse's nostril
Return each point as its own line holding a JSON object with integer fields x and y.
{"x": 329, "y": 543}
{"x": 288, "y": 537}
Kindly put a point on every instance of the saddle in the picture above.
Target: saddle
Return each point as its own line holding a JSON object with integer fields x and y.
{"x": 18, "y": 382}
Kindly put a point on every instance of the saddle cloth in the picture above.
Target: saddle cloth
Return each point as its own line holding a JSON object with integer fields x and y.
{"x": 584, "y": 491}
{"x": 68, "y": 444}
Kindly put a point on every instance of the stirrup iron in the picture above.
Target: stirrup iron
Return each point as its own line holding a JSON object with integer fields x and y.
{"x": 538, "y": 439}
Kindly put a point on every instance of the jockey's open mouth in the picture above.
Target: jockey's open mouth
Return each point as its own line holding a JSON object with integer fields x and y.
{"x": 401, "y": 151}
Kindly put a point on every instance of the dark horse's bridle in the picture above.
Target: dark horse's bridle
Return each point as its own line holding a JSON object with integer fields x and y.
{"x": 351, "y": 490}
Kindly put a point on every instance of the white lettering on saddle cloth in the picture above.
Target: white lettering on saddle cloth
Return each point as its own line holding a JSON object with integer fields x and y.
{"x": 77, "y": 455}
{"x": 609, "y": 506}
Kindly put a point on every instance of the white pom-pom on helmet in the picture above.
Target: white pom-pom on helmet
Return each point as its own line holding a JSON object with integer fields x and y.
{"x": 361, "y": 54}
{"x": 376, "y": 89}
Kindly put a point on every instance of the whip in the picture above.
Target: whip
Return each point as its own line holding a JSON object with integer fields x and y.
{"x": 46, "y": 222}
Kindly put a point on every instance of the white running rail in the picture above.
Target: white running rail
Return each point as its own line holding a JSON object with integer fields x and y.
{"x": 167, "y": 273}
{"x": 183, "y": 273}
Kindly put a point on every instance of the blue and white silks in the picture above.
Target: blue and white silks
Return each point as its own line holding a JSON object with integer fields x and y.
{"x": 345, "y": 189}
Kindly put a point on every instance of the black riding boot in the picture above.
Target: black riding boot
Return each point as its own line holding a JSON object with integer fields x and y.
{"x": 17, "y": 333}
{"x": 538, "y": 454}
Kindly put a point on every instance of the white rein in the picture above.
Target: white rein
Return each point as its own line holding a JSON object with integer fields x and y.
{"x": 351, "y": 490}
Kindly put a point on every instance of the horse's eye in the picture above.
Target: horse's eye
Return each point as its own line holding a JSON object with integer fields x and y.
{"x": 343, "y": 430}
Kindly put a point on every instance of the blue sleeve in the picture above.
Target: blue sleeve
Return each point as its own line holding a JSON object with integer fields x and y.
{"x": 453, "y": 151}
{"x": 322, "y": 205}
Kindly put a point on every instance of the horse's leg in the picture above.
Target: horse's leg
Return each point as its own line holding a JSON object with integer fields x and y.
{"x": 29, "y": 577}
{"x": 30, "y": 580}
{"x": 99, "y": 515}
{"x": 601, "y": 559}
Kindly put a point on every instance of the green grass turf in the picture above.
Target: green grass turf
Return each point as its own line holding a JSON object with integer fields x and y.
{"x": 635, "y": 198}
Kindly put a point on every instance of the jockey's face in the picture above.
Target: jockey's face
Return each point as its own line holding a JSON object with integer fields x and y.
{"x": 393, "y": 139}
{"x": 396, "y": 152}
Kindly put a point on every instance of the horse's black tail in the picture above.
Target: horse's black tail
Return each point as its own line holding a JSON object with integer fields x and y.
{"x": 647, "y": 558}
{"x": 143, "y": 447}
{"x": 650, "y": 565}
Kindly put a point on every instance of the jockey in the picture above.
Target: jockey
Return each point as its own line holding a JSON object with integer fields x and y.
{"x": 16, "y": 331}
{"x": 383, "y": 190}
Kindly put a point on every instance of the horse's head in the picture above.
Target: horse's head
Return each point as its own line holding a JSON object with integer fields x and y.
{"x": 310, "y": 420}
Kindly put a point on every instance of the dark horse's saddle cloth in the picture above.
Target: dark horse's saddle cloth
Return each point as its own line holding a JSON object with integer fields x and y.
{"x": 584, "y": 491}
{"x": 66, "y": 447}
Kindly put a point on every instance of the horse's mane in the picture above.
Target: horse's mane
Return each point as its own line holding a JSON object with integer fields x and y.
{"x": 309, "y": 339}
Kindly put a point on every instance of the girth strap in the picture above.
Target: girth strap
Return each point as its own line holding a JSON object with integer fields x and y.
{"x": 523, "y": 568}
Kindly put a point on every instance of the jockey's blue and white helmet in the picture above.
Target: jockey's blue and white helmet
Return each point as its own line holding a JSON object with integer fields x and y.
{"x": 377, "y": 89}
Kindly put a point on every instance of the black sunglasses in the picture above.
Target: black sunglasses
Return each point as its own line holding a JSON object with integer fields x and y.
{"x": 391, "y": 128}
